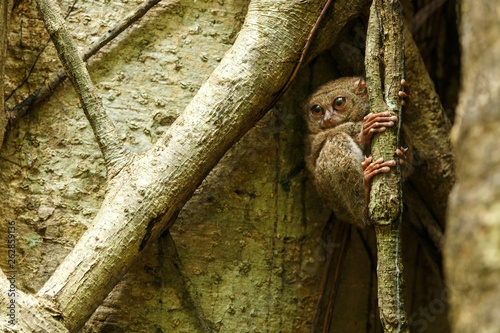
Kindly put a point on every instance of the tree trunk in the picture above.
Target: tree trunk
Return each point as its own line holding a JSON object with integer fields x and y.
{"x": 472, "y": 243}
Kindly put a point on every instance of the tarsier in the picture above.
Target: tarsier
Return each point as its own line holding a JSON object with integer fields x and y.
{"x": 340, "y": 130}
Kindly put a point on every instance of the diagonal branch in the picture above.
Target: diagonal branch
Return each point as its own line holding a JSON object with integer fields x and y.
{"x": 41, "y": 94}
{"x": 105, "y": 132}
{"x": 143, "y": 197}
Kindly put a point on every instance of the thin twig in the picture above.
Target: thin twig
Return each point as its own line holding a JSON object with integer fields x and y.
{"x": 105, "y": 132}
{"x": 22, "y": 108}
{"x": 31, "y": 98}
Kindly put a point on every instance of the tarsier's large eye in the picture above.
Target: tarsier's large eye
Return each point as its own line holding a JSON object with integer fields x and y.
{"x": 316, "y": 110}
{"x": 339, "y": 103}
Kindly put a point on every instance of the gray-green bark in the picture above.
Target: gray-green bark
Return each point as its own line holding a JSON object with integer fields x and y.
{"x": 43, "y": 93}
{"x": 142, "y": 198}
{"x": 385, "y": 36}
{"x": 5, "y": 9}
{"x": 472, "y": 246}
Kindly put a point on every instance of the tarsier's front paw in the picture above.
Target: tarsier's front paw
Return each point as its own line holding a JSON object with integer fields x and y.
{"x": 376, "y": 123}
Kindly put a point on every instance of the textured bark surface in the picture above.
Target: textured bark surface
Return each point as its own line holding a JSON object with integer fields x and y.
{"x": 146, "y": 194}
{"x": 249, "y": 241}
{"x": 5, "y": 10}
{"x": 383, "y": 77}
{"x": 472, "y": 247}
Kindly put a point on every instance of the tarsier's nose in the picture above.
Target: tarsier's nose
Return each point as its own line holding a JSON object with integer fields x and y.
{"x": 328, "y": 119}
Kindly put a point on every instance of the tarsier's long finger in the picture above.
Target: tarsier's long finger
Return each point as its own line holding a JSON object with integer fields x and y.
{"x": 405, "y": 93}
{"x": 366, "y": 162}
{"x": 376, "y": 167}
{"x": 382, "y": 117}
{"x": 377, "y": 129}
{"x": 406, "y": 86}
{"x": 401, "y": 153}
{"x": 377, "y": 122}
{"x": 370, "y": 175}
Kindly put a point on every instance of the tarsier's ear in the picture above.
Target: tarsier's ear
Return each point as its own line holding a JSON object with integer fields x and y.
{"x": 359, "y": 85}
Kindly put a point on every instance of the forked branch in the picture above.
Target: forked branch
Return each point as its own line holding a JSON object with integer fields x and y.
{"x": 104, "y": 129}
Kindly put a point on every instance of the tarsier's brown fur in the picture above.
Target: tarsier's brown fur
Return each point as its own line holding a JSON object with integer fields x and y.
{"x": 336, "y": 115}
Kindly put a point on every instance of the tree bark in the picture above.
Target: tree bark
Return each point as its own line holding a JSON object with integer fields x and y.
{"x": 112, "y": 149}
{"x": 472, "y": 246}
{"x": 385, "y": 36}
{"x": 433, "y": 165}
{"x": 5, "y": 9}
{"x": 23, "y": 311}
{"x": 143, "y": 197}
{"x": 43, "y": 93}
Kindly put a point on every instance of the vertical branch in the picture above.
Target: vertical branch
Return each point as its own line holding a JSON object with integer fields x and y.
{"x": 372, "y": 62}
{"x": 385, "y": 36}
{"x": 104, "y": 129}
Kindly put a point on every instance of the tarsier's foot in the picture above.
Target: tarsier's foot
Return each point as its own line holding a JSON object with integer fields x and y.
{"x": 401, "y": 153}
{"x": 405, "y": 93}
{"x": 372, "y": 168}
{"x": 375, "y": 123}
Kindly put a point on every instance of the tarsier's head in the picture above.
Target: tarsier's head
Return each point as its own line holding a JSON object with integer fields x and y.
{"x": 337, "y": 102}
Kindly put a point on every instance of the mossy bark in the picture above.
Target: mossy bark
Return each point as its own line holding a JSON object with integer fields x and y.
{"x": 385, "y": 37}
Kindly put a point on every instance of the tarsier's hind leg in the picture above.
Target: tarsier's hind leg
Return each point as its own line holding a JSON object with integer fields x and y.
{"x": 339, "y": 177}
